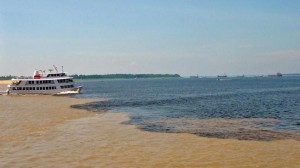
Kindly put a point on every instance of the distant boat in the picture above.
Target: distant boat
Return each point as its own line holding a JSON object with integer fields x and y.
{"x": 278, "y": 74}
{"x": 222, "y": 76}
{"x": 194, "y": 77}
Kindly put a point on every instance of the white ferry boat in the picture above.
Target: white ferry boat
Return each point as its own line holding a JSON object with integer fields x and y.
{"x": 51, "y": 83}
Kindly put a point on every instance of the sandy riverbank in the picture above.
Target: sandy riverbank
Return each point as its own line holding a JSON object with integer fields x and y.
{"x": 43, "y": 131}
{"x": 5, "y": 82}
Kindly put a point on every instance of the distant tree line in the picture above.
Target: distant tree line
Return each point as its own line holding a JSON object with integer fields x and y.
{"x": 125, "y": 76}
{"x": 6, "y": 77}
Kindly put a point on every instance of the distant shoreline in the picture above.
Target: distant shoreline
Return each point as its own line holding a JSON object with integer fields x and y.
{"x": 112, "y": 76}
{"x": 125, "y": 76}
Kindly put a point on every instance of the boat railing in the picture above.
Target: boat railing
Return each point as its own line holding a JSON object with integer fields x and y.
{"x": 23, "y": 77}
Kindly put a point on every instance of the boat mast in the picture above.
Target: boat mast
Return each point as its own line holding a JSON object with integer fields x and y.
{"x": 55, "y": 68}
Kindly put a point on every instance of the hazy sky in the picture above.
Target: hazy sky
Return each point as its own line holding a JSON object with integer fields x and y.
{"x": 187, "y": 37}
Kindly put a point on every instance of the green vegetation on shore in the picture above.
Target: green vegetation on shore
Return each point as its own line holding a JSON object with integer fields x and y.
{"x": 6, "y": 77}
{"x": 125, "y": 76}
{"x": 113, "y": 76}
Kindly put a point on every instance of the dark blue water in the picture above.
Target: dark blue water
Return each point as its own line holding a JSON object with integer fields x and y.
{"x": 233, "y": 98}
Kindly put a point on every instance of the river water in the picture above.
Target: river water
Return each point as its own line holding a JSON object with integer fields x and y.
{"x": 242, "y": 108}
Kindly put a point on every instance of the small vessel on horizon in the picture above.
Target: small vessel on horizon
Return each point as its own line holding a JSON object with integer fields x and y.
{"x": 197, "y": 76}
{"x": 221, "y": 77}
{"x": 50, "y": 83}
{"x": 278, "y": 74}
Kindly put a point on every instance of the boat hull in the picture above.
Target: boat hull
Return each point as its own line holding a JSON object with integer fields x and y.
{"x": 75, "y": 90}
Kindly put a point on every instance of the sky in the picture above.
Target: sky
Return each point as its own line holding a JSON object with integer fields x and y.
{"x": 186, "y": 37}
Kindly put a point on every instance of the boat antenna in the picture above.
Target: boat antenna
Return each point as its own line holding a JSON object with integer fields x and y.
{"x": 50, "y": 70}
{"x": 62, "y": 68}
{"x": 55, "y": 68}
